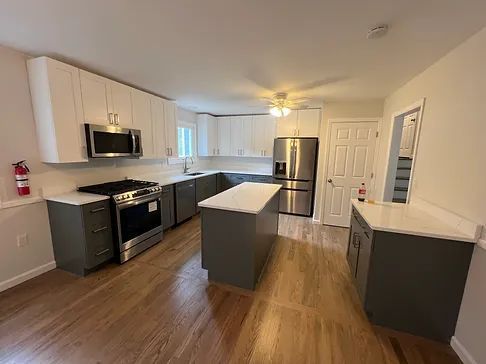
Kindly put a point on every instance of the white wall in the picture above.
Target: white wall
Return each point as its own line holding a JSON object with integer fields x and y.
{"x": 335, "y": 110}
{"x": 450, "y": 160}
{"x": 17, "y": 130}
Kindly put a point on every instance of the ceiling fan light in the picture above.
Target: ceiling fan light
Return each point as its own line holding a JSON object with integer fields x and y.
{"x": 278, "y": 111}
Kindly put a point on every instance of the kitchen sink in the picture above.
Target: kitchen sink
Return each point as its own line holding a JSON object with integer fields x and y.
{"x": 194, "y": 174}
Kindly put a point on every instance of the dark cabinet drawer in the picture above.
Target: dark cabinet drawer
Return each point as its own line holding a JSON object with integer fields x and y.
{"x": 99, "y": 245}
{"x": 205, "y": 188}
{"x": 185, "y": 200}
{"x": 168, "y": 207}
{"x": 261, "y": 179}
{"x": 96, "y": 214}
{"x": 98, "y": 233}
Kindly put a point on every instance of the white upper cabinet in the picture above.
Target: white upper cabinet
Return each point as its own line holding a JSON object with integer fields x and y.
{"x": 308, "y": 122}
{"x": 170, "y": 118}
{"x": 303, "y": 123}
{"x": 122, "y": 104}
{"x": 142, "y": 119}
{"x": 58, "y": 110}
{"x": 263, "y": 135}
{"x": 247, "y": 136}
{"x": 224, "y": 136}
{"x": 96, "y": 96}
{"x": 241, "y": 139}
{"x": 158, "y": 126}
{"x": 287, "y": 125}
{"x": 207, "y": 135}
{"x": 105, "y": 101}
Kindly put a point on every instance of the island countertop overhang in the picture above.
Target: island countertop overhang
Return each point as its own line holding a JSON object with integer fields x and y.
{"x": 248, "y": 197}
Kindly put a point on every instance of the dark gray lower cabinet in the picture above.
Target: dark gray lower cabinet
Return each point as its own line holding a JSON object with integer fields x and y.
{"x": 168, "y": 207}
{"x": 261, "y": 179}
{"x": 205, "y": 188}
{"x": 81, "y": 235}
{"x": 185, "y": 193}
{"x": 406, "y": 282}
{"x": 229, "y": 180}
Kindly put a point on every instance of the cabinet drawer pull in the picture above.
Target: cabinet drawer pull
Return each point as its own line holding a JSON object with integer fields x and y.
{"x": 99, "y": 209}
{"x": 100, "y": 229}
{"x": 104, "y": 251}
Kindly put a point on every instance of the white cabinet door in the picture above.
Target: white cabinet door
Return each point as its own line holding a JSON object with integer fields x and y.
{"x": 142, "y": 119}
{"x": 170, "y": 116}
{"x": 207, "y": 135}
{"x": 246, "y": 136}
{"x": 308, "y": 122}
{"x": 224, "y": 136}
{"x": 122, "y": 104}
{"x": 96, "y": 96}
{"x": 236, "y": 139}
{"x": 270, "y": 132}
{"x": 212, "y": 135}
{"x": 263, "y": 135}
{"x": 58, "y": 112}
{"x": 158, "y": 126}
{"x": 287, "y": 125}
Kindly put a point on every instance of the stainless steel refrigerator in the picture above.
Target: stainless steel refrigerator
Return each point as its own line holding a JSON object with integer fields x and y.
{"x": 294, "y": 167}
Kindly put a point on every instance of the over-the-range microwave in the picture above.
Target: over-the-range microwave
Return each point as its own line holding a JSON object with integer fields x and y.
{"x": 106, "y": 141}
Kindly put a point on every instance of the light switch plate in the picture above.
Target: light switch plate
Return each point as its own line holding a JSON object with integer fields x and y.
{"x": 22, "y": 240}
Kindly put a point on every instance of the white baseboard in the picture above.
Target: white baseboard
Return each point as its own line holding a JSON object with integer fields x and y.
{"x": 26, "y": 276}
{"x": 462, "y": 352}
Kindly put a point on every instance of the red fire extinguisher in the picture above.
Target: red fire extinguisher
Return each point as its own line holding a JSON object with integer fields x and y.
{"x": 21, "y": 170}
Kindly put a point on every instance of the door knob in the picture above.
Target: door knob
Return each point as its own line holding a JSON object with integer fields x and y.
{"x": 329, "y": 180}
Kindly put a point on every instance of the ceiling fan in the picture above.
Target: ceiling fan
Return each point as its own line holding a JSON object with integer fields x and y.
{"x": 280, "y": 105}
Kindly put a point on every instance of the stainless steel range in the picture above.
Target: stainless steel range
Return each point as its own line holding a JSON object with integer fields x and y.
{"x": 136, "y": 214}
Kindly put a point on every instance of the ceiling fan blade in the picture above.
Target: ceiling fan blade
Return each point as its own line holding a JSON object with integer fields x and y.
{"x": 315, "y": 84}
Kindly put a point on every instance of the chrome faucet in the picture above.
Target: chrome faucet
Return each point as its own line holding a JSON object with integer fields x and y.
{"x": 186, "y": 167}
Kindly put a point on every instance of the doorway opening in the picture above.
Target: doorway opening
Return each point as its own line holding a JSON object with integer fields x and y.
{"x": 402, "y": 152}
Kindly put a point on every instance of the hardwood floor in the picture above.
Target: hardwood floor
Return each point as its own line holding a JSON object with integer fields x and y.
{"x": 159, "y": 307}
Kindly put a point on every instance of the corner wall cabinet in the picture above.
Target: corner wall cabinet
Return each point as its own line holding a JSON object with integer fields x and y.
{"x": 237, "y": 136}
{"x": 302, "y": 123}
{"x": 65, "y": 97}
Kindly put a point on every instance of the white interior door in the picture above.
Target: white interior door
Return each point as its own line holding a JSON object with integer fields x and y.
{"x": 351, "y": 156}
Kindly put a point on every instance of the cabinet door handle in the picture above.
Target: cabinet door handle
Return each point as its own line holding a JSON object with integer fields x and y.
{"x": 264, "y": 152}
{"x": 218, "y": 151}
{"x": 104, "y": 251}
{"x": 110, "y": 117}
{"x": 100, "y": 229}
{"x": 117, "y": 119}
{"x": 214, "y": 151}
{"x": 99, "y": 209}
{"x": 367, "y": 235}
{"x": 356, "y": 241}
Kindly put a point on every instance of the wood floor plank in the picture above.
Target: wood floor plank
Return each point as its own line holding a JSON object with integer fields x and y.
{"x": 160, "y": 308}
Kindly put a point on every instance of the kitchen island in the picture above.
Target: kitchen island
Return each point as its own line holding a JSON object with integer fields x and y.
{"x": 238, "y": 229}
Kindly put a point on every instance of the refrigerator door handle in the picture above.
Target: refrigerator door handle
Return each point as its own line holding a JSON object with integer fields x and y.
{"x": 293, "y": 158}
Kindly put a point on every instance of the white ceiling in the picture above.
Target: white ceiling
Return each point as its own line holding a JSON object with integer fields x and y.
{"x": 207, "y": 54}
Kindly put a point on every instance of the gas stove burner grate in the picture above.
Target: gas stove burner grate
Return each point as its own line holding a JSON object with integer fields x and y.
{"x": 117, "y": 187}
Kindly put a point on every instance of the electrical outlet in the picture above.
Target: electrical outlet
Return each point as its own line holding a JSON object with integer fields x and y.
{"x": 22, "y": 240}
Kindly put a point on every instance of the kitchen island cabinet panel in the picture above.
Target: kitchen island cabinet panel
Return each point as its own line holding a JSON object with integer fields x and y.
{"x": 408, "y": 282}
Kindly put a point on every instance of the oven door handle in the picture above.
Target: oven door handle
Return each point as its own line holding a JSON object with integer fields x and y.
{"x": 147, "y": 198}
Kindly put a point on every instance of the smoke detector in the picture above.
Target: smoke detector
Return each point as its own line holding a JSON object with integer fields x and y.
{"x": 377, "y": 32}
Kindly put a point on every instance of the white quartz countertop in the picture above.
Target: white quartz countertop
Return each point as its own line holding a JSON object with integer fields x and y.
{"x": 165, "y": 180}
{"x": 77, "y": 198}
{"x": 247, "y": 197}
{"x": 407, "y": 219}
